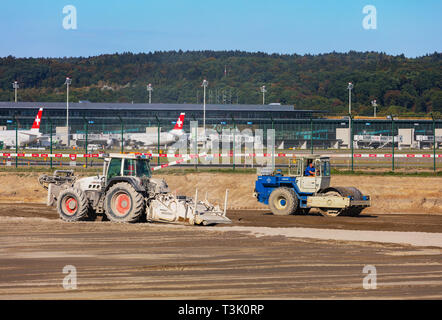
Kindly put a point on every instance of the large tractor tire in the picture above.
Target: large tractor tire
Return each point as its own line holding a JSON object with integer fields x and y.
{"x": 72, "y": 205}
{"x": 283, "y": 201}
{"x": 123, "y": 203}
{"x": 342, "y": 192}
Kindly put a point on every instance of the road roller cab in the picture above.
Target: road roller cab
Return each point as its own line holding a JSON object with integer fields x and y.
{"x": 306, "y": 179}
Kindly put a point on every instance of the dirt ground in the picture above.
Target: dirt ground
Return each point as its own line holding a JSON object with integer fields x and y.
{"x": 258, "y": 256}
{"x": 389, "y": 194}
{"x": 240, "y": 261}
{"x": 264, "y": 218}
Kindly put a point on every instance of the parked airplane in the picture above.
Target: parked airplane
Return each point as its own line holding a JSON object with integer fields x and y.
{"x": 166, "y": 138}
{"x": 25, "y": 137}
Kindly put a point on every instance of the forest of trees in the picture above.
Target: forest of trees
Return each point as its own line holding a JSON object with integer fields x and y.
{"x": 406, "y": 86}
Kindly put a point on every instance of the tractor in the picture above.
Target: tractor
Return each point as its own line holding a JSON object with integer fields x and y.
{"x": 125, "y": 192}
{"x": 297, "y": 193}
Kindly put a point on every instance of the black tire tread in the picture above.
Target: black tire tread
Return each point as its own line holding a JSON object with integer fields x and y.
{"x": 137, "y": 203}
{"x": 292, "y": 201}
{"x": 82, "y": 202}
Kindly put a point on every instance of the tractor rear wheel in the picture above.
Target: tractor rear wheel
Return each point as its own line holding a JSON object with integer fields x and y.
{"x": 283, "y": 201}
{"x": 123, "y": 203}
{"x": 72, "y": 205}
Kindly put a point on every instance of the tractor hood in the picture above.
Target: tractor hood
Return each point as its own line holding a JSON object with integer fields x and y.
{"x": 89, "y": 183}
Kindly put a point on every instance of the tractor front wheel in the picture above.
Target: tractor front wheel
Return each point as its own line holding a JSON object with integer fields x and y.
{"x": 123, "y": 203}
{"x": 283, "y": 201}
{"x": 72, "y": 205}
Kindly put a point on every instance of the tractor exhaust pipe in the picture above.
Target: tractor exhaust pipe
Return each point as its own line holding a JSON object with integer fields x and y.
{"x": 195, "y": 202}
{"x": 225, "y": 202}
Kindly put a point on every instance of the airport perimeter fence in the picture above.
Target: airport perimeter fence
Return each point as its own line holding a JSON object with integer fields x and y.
{"x": 386, "y": 144}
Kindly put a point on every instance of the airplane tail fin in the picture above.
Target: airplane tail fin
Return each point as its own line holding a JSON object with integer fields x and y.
{"x": 37, "y": 121}
{"x": 178, "y": 129}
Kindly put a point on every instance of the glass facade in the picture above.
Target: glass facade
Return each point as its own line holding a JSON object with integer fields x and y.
{"x": 291, "y": 126}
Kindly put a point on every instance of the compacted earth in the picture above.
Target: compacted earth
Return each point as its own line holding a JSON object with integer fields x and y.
{"x": 258, "y": 256}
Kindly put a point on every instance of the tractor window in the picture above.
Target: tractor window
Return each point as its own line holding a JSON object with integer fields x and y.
{"x": 325, "y": 168}
{"x": 143, "y": 168}
{"x": 298, "y": 168}
{"x": 136, "y": 168}
{"x": 293, "y": 167}
{"x": 307, "y": 163}
{"x": 114, "y": 169}
{"x": 319, "y": 170}
{"x": 129, "y": 167}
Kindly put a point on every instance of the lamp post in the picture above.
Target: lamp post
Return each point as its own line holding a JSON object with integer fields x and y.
{"x": 50, "y": 140}
{"x": 16, "y": 140}
{"x": 234, "y": 141}
{"x": 351, "y": 141}
{"x": 263, "y": 90}
{"x": 86, "y": 129}
{"x": 150, "y": 89}
{"x": 122, "y": 134}
{"x": 374, "y": 104}
{"x": 392, "y": 142}
{"x": 311, "y": 134}
{"x": 204, "y": 85}
{"x": 15, "y": 86}
{"x": 349, "y": 87}
{"x": 67, "y": 83}
{"x": 158, "y": 138}
{"x": 194, "y": 141}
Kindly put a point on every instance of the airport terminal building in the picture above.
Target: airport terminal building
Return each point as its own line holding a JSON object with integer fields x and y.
{"x": 296, "y": 128}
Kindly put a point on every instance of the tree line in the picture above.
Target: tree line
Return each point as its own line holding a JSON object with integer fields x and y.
{"x": 399, "y": 84}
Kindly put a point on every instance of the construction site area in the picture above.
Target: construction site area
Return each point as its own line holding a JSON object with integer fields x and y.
{"x": 220, "y": 159}
{"x": 210, "y": 213}
{"x": 258, "y": 255}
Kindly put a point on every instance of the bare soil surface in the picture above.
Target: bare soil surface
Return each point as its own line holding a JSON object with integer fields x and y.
{"x": 264, "y": 218}
{"x": 381, "y": 222}
{"x": 415, "y": 195}
{"x": 244, "y": 261}
{"x": 259, "y": 256}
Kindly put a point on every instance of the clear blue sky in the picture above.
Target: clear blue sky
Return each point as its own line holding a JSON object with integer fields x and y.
{"x": 31, "y": 28}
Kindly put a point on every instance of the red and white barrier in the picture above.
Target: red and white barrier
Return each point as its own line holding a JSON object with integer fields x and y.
{"x": 173, "y": 163}
{"x": 74, "y": 156}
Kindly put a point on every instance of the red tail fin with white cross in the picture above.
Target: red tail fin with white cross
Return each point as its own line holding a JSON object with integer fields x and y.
{"x": 179, "y": 123}
{"x": 37, "y": 121}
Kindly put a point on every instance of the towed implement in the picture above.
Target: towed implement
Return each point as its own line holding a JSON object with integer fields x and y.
{"x": 297, "y": 193}
{"x": 126, "y": 192}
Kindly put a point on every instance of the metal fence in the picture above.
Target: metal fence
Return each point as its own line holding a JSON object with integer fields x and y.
{"x": 392, "y": 142}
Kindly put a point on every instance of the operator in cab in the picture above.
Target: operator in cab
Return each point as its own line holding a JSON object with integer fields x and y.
{"x": 310, "y": 170}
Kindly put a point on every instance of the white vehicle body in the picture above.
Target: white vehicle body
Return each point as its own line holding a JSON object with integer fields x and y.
{"x": 25, "y": 137}
{"x": 166, "y": 138}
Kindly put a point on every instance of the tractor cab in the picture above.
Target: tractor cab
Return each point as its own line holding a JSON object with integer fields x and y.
{"x": 312, "y": 172}
{"x": 126, "y": 165}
